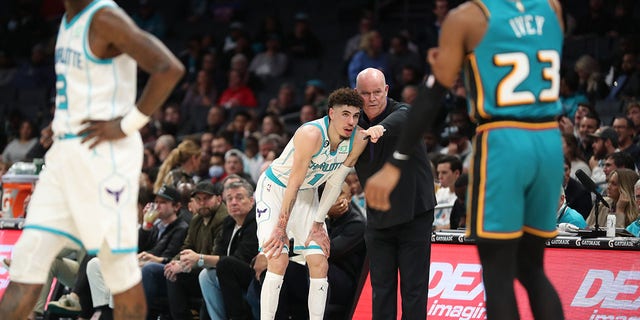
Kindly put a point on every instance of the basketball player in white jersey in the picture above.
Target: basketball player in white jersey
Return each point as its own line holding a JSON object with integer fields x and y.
{"x": 86, "y": 195}
{"x": 287, "y": 203}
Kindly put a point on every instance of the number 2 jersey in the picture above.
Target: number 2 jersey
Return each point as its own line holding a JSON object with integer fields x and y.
{"x": 88, "y": 87}
{"x": 322, "y": 164}
{"x": 514, "y": 72}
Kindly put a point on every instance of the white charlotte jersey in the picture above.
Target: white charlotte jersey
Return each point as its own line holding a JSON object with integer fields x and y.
{"x": 88, "y": 87}
{"x": 322, "y": 165}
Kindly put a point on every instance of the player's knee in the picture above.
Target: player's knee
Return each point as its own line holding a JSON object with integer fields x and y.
{"x": 278, "y": 264}
{"x": 120, "y": 271}
{"x": 318, "y": 264}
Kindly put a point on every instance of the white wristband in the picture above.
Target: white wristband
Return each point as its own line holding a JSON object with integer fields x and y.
{"x": 133, "y": 121}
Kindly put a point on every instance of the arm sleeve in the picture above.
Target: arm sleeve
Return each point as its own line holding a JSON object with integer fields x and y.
{"x": 421, "y": 117}
{"x": 332, "y": 190}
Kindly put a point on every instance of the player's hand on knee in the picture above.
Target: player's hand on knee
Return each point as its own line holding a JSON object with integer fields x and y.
{"x": 273, "y": 247}
{"x": 319, "y": 235}
{"x": 97, "y": 131}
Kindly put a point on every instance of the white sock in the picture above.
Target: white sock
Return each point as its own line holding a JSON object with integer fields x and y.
{"x": 318, "y": 289}
{"x": 270, "y": 295}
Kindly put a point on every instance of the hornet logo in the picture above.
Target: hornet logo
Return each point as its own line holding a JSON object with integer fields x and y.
{"x": 115, "y": 193}
{"x": 260, "y": 212}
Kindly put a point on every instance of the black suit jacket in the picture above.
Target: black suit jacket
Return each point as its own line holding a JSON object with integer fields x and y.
{"x": 414, "y": 193}
{"x": 244, "y": 244}
{"x": 169, "y": 243}
{"x": 578, "y": 197}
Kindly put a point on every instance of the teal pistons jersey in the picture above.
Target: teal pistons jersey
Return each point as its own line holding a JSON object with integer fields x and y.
{"x": 514, "y": 72}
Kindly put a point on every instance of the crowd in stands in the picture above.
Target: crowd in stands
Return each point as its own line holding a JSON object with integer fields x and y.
{"x": 247, "y": 89}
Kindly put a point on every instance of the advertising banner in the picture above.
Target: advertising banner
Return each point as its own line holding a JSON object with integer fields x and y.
{"x": 593, "y": 284}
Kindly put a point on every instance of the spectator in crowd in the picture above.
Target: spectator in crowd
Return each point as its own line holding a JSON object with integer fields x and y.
{"x": 285, "y": 102}
{"x": 303, "y": 42}
{"x": 181, "y": 282}
{"x": 149, "y": 20}
{"x": 172, "y": 120}
{"x": 355, "y": 188}
{"x": 272, "y": 63}
{"x": 409, "y": 94}
{"x": 576, "y": 196}
{"x": 272, "y": 124}
{"x": 216, "y": 119}
{"x": 205, "y": 142}
{"x": 226, "y": 272}
{"x": 626, "y": 84}
{"x": 18, "y": 148}
{"x": 591, "y": 80}
{"x": 400, "y": 56}
{"x": 237, "y": 94}
{"x": 588, "y": 125}
{"x": 566, "y": 215}
{"x": 624, "y": 128}
{"x": 570, "y": 97}
{"x": 221, "y": 143}
{"x": 620, "y": 198}
{"x": 234, "y": 164}
{"x": 634, "y": 228}
{"x": 458, "y": 217}
{"x": 163, "y": 146}
{"x": 269, "y": 26}
{"x": 605, "y": 141}
{"x": 179, "y": 166}
{"x": 440, "y": 10}
{"x": 315, "y": 94}
{"x": 449, "y": 168}
{"x": 191, "y": 57}
{"x": 459, "y": 144}
{"x": 617, "y": 160}
{"x": 370, "y": 55}
{"x": 353, "y": 43}
{"x": 200, "y": 96}
{"x": 574, "y": 155}
{"x": 238, "y": 127}
{"x": 632, "y": 110}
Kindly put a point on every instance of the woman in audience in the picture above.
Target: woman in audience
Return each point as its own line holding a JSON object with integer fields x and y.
{"x": 17, "y": 149}
{"x": 573, "y": 153}
{"x": 620, "y": 195}
{"x": 180, "y": 165}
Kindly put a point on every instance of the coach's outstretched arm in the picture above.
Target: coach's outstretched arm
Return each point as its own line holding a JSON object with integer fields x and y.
{"x": 112, "y": 33}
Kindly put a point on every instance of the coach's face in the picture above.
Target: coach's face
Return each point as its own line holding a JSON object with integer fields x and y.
{"x": 372, "y": 88}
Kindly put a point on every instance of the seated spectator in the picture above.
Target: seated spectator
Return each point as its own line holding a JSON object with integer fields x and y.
{"x": 449, "y": 168}
{"x": 163, "y": 146}
{"x": 605, "y": 141}
{"x": 234, "y": 164}
{"x": 216, "y": 119}
{"x": 272, "y": 63}
{"x": 179, "y": 166}
{"x": 357, "y": 191}
{"x": 632, "y": 110}
{"x": 626, "y": 84}
{"x": 240, "y": 126}
{"x": 409, "y": 94}
{"x": 619, "y": 197}
{"x": 458, "y": 218}
{"x": 149, "y": 20}
{"x": 617, "y": 160}
{"x": 566, "y": 214}
{"x": 588, "y": 125}
{"x": 237, "y": 94}
{"x": 634, "y": 228}
{"x": 174, "y": 280}
{"x": 227, "y": 270}
{"x": 315, "y": 94}
{"x": 370, "y": 55}
{"x": 570, "y": 97}
{"x": 18, "y": 148}
{"x": 272, "y": 124}
{"x": 459, "y": 144}
{"x": 574, "y": 155}
{"x": 576, "y": 195}
{"x": 303, "y": 42}
{"x": 285, "y": 102}
{"x": 624, "y": 128}
{"x": 158, "y": 242}
{"x": 200, "y": 96}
